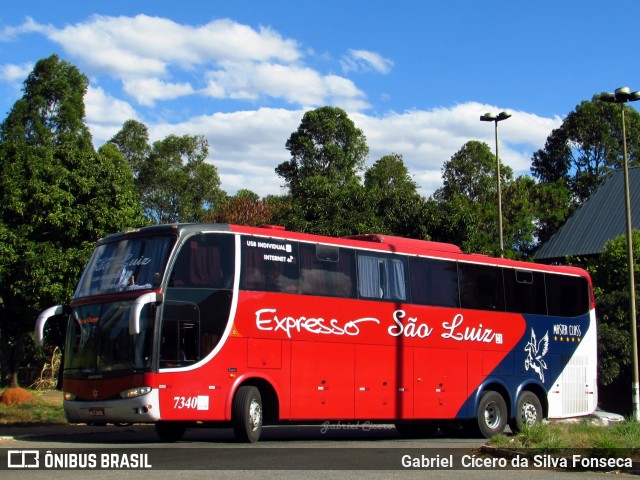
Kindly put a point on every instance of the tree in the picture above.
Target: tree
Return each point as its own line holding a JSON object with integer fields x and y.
{"x": 133, "y": 141}
{"x": 323, "y": 208}
{"x": 579, "y": 155}
{"x": 243, "y": 210}
{"x": 57, "y": 197}
{"x": 609, "y": 272}
{"x": 174, "y": 181}
{"x": 395, "y": 199}
{"x": 325, "y": 194}
{"x": 327, "y": 144}
{"x": 469, "y": 194}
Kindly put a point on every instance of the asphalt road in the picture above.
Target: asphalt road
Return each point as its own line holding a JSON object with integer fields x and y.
{"x": 360, "y": 451}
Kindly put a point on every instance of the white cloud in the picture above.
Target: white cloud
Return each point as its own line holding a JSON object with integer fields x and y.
{"x": 15, "y": 74}
{"x": 247, "y": 146}
{"x": 365, "y": 61}
{"x": 103, "y": 108}
{"x": 158, "y": 59}
{"x": 428, "y": 138}
{"x": 147, "y": 91}
{"x": 293, "y": 83}
{"x": 144, "y": 45}
{"x": 9, "y": 33}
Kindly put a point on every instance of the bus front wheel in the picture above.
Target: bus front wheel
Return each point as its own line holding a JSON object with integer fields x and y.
{"x": 529, "y": 411}
{"x": 492, "y": 414}
{"x": 247, "y": 414}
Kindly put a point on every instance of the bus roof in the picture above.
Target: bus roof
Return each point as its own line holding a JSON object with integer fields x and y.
{"x": 388, "y": 243}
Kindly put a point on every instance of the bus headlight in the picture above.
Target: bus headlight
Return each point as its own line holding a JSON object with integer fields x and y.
{"x": 135, "y": 392}
{"x": 69, "y": 396}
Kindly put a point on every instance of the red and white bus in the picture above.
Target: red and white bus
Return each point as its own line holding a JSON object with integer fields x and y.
{"x": 226, "y": 325}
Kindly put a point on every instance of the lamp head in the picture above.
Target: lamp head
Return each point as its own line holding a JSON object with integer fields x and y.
{"x": 488, "y": 117}
{"x": 621, "y": 95}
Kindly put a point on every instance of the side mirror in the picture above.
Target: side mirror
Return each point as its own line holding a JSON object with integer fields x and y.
{"x": 42, "y": 320}
{"x": 136, "y": 308}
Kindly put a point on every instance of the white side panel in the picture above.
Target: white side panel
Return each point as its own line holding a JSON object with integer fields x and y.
{"x": 575, "y": 392}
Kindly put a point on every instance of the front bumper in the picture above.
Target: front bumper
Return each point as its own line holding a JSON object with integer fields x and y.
{"x": 143, "y": 409}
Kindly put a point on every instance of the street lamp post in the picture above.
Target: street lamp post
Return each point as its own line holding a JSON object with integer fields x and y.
{"x": 622, "y": 96}
{"x": 492, "y": 117}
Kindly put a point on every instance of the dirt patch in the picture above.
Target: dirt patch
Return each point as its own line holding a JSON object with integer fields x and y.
{"x": 16, "y": 396}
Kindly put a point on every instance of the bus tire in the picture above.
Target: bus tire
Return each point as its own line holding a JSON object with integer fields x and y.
{"x": 246, "y": 414}
{"x": 528, "y": 412}
{"x": 170, "y": 431}
{"x": 492, "y": 414}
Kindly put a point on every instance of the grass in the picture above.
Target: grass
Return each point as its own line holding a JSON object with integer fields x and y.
{"x": 601, "y": 440}
{"x": 43, "y": 411}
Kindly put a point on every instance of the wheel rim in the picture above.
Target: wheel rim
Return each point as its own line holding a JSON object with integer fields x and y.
{"x": 255, "y": 415}
{"x": 529, "y": 414}
{"x": 492, "y": 415}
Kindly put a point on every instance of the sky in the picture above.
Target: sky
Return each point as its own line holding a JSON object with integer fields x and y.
{"x": 414, "y": 75}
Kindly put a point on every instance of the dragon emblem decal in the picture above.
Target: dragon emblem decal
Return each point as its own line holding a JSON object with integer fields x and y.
{"x": 536, "y": 350}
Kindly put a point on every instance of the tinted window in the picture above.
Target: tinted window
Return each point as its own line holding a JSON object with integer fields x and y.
{"x": 481, "y": 287}
{"x": 327, "y": 270}
{"x": 198, "y": 299}
{"x": 525, "y": 291}
{"x": 204, "y": 261}
{"x": 382, "y": 276}
{"x": 434, "y": 282}
{"x": 269, "y": 265}
{"x": 567, "y": 296}
{"x": 134, "y": 263}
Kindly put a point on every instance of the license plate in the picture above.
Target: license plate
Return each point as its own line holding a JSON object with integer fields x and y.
{"x": 96, "y": 412}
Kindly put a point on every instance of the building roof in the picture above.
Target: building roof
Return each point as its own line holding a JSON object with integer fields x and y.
{"x": 600, "y": 219}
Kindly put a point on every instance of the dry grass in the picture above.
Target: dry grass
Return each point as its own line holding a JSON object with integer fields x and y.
{"x": 43, "y": 409}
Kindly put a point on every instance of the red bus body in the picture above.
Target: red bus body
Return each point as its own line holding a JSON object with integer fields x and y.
{"x": 344, "y": 355}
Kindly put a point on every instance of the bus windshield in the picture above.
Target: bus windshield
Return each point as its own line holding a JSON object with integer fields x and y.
{"x": 98, "y": 339}
{"x": 134, "y": 263}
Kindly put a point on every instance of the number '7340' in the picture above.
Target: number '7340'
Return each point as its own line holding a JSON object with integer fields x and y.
{"x": 185, "y": 402}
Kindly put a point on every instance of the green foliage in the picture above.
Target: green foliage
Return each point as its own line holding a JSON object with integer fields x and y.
{"x": 133, "y": 141}
{"x": 394, "y": 198}
{"x": 609, "y": 272}
{"x": 57, "y": 197}
{"x": 174, "y": 181}
{"x": 465, "y": 210}
{"x": 327, "y": 144}
{"x": 599, "y": 440}
{"x": 578, "y": 156}
{"x": 323, "y": 208}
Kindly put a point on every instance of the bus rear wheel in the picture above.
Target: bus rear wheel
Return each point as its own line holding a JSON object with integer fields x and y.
{"x": 492, "y": 414}
{"x": 247, "y": 414}
{"x": 529, "y": 411}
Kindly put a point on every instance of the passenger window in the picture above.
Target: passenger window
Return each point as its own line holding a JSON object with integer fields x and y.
{"x": 567, "y": 296}
{"x": 382, "y": 276}
{"x": 481, "y": 287}
{"x": 327, "y": 270}
{"x": 525, "y": 291}
{"x": 269, "y": 265}
{"x": 434, "y": 282}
